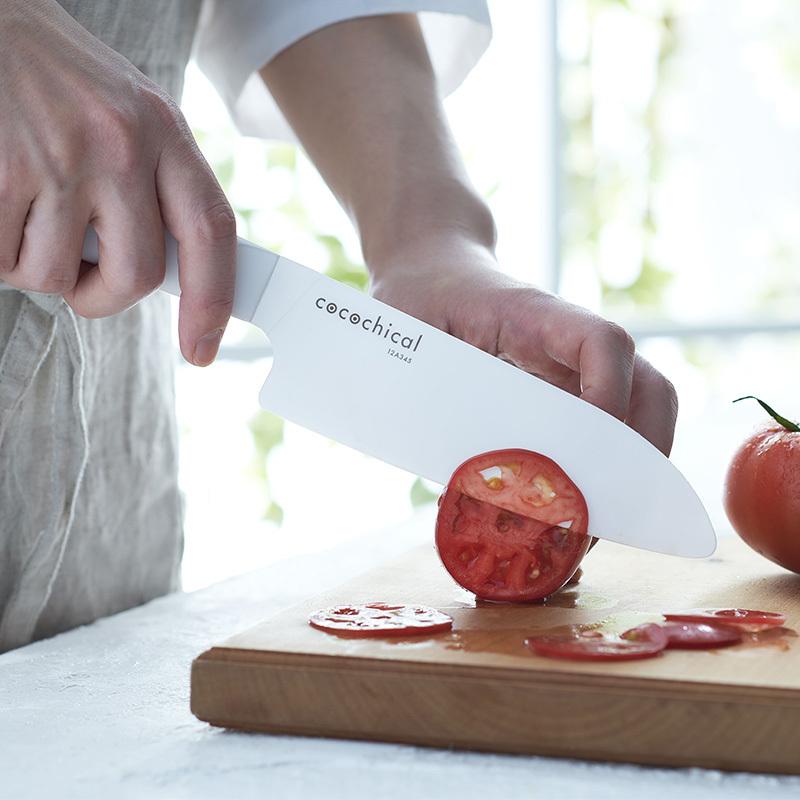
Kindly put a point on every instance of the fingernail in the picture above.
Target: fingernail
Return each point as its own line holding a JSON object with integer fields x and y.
{"x": 206, "y": 348}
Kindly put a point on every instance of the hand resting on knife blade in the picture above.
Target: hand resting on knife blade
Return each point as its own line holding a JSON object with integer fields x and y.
{"x": 362, "y": 97}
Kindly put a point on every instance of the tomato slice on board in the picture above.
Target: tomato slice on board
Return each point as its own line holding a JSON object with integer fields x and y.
{"x": 380, "y": 619}
{"x": 649, "y": 632}
{"x": 511, "y": 526}
{"x": 700, "y": 635}
{"x": 729, "y": 616}
{"x": 596, "y": 648}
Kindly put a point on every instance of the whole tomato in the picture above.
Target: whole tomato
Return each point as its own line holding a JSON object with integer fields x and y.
{"x": 762, "y": 491}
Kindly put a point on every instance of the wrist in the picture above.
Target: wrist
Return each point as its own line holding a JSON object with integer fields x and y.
{"x": 438, "y": 264}
{"x": 432, "y": 224}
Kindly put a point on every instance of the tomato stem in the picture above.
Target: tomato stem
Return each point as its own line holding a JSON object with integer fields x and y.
{"x": 788, "y": 424}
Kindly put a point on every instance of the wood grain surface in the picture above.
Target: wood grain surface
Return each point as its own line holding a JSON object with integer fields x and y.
{"x": 479, "y": 687}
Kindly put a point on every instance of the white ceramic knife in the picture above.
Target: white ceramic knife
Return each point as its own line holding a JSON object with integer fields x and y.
{"x": 358, "y": 371}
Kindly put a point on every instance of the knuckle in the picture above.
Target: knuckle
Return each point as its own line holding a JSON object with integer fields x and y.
{"x": 216, "y": 223}
{"x": 89, "y": 312}
{"x": 161, "y": 107}
{"x": 120, "y": 132}
{"x": 61, "y": 163}
{"x": 216, "y": 307}
{"x": 64, "y": 159}
{"x": 620, "y": 338}
{"x": 667, "y": 386}
{"x": 135, "y": 284}
{"x": 6, "y": 185}
{"x": 54, "y": 280}
{"x": 659, "y": 385}
{"x": 670, "y": 392}
{"x": 7, "y": 264}
{"x": 146, "y": 282}
{"x": 9, "y": 248}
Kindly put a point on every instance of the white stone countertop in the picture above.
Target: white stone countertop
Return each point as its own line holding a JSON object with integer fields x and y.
{"x": 103, "y": 712}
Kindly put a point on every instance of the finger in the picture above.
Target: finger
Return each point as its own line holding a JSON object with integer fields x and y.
{"x": 13, "y": 213}
{"x": 131, "y": 255}
{"x": 654, "y": 406}
{"x": 606, "y": 366}
{"x": 49, "y": 256}
{"x": 535, "y": 361}
{"x": 521, "y": 342}
{"x": 563, "y": 377}
{"x": 197, "y": 214}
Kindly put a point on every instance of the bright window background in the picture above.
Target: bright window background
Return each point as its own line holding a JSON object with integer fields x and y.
{"x": 675, "y": 193}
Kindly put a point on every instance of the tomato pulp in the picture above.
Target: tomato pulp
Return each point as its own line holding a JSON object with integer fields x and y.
{"x": 512, "y": 526}
{"x": 380, "y": 619}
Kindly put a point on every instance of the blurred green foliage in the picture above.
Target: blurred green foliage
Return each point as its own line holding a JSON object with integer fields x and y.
{"x": 282, "y": 155}
{"x": 780, "y": 290}
{"x": 421, "y": 494}
{"x": 646, "y": 291}
{"x": 267, "y": 432}
{"x": 292, "y": 215}
{"x": 340, "y": 267}
{"x": 600, "y": 187}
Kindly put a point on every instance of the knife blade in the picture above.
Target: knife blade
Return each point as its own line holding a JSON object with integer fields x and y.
{"x": 376, "y": 379}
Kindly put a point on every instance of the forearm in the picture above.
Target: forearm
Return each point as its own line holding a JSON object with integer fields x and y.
{"x": 362, "y": 98}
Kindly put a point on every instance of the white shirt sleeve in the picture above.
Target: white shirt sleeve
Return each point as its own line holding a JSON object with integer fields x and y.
{"x": 237, "y": 37}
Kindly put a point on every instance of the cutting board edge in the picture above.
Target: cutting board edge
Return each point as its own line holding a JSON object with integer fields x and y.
{"x": 244, "y": 684}
{"x": 649, "y": 686}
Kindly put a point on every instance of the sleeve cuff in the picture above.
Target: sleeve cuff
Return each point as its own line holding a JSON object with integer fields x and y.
{"x": 236, "y": 39}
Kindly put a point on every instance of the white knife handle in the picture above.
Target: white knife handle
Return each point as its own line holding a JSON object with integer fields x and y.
{"x": 254, "y": 268}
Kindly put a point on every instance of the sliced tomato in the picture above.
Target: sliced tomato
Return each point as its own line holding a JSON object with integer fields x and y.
{"x": 381, "y": 619}
{"x": 649, "y": 632}
{"x": 729, "y": 616}
{"x": 597, "y": 648}
{"x": 511, "y": 526}
{"x": 700, "y": 635}
{"x": 525, "y": 483}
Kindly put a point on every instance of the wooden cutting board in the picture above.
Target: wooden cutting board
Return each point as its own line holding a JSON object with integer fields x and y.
{"x": 480, "y": 688}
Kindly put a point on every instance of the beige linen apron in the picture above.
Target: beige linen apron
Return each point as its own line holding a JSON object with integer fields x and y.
{"x": 90, "y": 512}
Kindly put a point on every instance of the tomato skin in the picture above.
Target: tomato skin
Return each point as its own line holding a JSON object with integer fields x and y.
{"x": 498, "y": 532}
{"x": 762, "y": 495}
